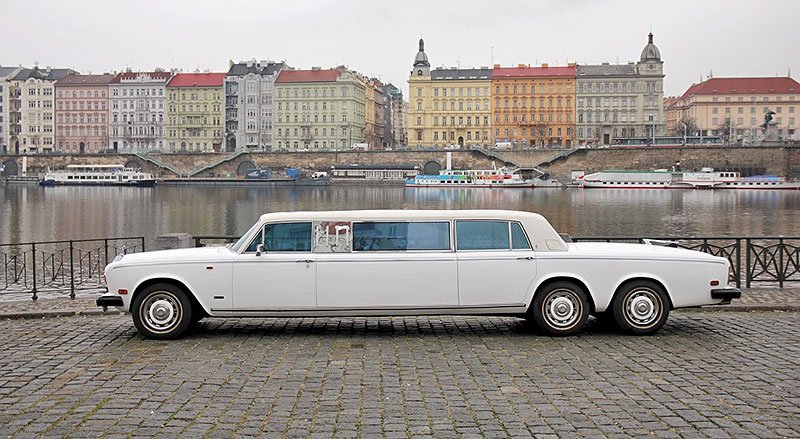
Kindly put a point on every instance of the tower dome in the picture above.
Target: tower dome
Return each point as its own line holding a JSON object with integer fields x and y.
{"x": 650, "y": 51}
{"x": 421, "y": 65}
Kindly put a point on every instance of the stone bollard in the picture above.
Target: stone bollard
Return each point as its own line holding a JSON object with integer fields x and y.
{"x": 173, "y": 240}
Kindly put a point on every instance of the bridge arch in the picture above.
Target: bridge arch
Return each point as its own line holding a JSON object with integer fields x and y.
{"x": 134, "y": 164}
{"x": 432, "y": 167}
{"x": 10, "y": 168}
{"x": 244, "y": 167}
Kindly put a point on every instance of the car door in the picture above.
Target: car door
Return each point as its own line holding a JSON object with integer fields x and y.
{"x": 496, "y": 265}
{"x": 392, "y": 265}
{"x": 276, "y": 271}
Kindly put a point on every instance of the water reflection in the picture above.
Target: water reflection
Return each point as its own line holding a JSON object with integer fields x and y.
{"x": 34, "y": 213}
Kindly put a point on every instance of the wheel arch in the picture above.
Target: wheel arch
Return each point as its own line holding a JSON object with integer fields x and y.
{"x": 565, "y": 277}
{"x": 646, "y": 277}
{"x": 196, "y": 305}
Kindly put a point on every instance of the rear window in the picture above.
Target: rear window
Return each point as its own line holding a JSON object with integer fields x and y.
{"x": 401, "y": 236}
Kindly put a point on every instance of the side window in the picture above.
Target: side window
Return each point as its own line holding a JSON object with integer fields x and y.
{"x": 401, "y": 236}
{"x": 288, "y": 237}
{"x": 518, "y": 239}
{"x": 482, "y": 235}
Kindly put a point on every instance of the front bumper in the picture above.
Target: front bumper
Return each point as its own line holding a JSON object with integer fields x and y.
{"x": 726, "y": 294}
{"x": 106, "y": 301}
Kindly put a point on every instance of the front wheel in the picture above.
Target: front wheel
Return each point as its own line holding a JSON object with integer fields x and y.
{"x": 560, "y": 309}
{"x": 640, "y": 308}
{"x": 162, "y": 311}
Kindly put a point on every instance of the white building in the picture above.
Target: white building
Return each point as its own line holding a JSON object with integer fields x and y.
{"x": 6, "y": 73}
{"x": 137, "y": 106}
{"x": 31, "y": 113}
{"x": 621, "y": 100}
{"x": 249, "y": 105}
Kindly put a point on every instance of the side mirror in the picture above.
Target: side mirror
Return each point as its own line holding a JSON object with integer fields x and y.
{"x": 259, "y": 249}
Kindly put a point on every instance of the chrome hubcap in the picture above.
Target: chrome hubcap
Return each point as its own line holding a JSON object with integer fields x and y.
{"x": 643, "y": 307}
{"x": 161, "y": 311}
{"x": 562, "y": 308}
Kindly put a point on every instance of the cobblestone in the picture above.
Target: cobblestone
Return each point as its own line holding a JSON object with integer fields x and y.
{"x": 706, "y": 374}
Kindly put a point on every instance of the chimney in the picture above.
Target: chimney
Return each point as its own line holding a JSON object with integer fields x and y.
{"x": 497, "y": 66}
{"x": 520, "y": 66}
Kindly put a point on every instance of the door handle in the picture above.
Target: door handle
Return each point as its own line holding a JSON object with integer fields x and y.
{"x": 307, "y": 261}
{"x": 526, "y": 258}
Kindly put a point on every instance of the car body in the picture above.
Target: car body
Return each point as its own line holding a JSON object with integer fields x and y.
{"x": 414, "y": 262}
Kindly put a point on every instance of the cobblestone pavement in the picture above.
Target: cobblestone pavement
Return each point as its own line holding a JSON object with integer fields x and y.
{"x": 706, "y": 374}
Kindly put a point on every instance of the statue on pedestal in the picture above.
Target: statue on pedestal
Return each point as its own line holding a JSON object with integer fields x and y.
{"x": 770, "y": 127}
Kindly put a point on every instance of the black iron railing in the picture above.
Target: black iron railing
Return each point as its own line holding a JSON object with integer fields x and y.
{"x": 765, "y": 259}
{"x": 60, "y": 266}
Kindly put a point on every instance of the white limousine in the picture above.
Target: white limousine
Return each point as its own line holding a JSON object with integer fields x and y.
{"x": 414, "y": 262}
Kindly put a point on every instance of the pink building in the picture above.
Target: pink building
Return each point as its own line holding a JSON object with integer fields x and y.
{"x": 82, "y": 113}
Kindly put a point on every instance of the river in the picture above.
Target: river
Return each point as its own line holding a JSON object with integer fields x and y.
{"x": 32, "y": 213}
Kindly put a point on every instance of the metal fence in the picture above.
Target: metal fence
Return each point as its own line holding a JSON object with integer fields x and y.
{"x": 71, "y": 266}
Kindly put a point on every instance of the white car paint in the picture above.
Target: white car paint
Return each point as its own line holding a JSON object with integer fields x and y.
{"x": 228, "y": 283}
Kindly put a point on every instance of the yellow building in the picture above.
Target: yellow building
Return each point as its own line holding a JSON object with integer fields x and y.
{"x": 195, "y": 112}
{"x": 448, "y": 106}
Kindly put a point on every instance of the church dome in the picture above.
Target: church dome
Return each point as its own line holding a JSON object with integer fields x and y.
{"x": 421, "y": 60}
{"x": 650, "y": 51}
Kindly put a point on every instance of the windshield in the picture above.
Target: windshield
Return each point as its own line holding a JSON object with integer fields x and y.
{"x": 236, "y": 247}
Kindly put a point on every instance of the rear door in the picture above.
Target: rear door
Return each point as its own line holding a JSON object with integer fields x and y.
{"x": 496, "y": 265}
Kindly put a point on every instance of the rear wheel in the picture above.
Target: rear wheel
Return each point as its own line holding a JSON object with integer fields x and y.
{"x": 162, "y": 311}
{"x": 560, "y": 309}
{"x": 640, "y": 308}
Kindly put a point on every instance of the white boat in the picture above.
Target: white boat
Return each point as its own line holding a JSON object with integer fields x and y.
{"x": 706, "y": 178}
{"x": 98, "y": 175}
{"x": 483, "y": 178}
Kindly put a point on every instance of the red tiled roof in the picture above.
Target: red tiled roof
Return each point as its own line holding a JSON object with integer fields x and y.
{"x": 85, "y": 80}
{"x": 532, "y": 72}
{"x": 197, "y": 80}
{"x": 329, "y": 75}
{"x": 782, "y": 85}
{"x": 128, "y": 76}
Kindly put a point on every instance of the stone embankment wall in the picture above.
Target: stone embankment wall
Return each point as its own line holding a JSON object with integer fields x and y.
{"x": 749, "y": 160}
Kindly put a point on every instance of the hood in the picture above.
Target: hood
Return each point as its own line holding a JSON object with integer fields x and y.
{"x": 182, "y": 255}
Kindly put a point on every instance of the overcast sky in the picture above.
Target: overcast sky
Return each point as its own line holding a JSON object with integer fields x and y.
{"x": 379, "y": 38}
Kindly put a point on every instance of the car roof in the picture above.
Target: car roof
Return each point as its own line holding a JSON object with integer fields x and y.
{"x": 402, "y": 215}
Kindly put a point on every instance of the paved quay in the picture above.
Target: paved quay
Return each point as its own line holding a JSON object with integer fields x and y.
{"x": 706, "y": 374}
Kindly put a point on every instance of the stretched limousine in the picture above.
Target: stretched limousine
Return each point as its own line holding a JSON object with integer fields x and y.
{"x": 414, "y": 262}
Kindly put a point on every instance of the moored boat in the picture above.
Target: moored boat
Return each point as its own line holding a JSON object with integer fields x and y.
{"x": 706, "y": 178}
{"x": 98, "y": 175}
{"x": 481, "y": 178}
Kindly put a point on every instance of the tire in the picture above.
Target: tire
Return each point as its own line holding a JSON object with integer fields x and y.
{"x": 640, "y": 308}
{"x": 560, "y": 309}
{"x": 162, "y": 311}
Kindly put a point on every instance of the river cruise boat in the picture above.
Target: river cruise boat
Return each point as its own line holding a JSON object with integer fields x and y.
{"x": 98, "y": 175}
{"x": 706, "y": 178}
{"x": 484, "y": 178}
{"x": 414, "y": 262}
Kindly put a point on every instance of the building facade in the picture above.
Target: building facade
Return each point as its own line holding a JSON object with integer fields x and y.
{"x": 32, "y": 109}
{"x": 249, "y": 105}
{"x": 319, "y": 109}
{"x": 6, "y": 74}
{"x": 82, "y": 112}
{"x": 534, "y": 106}
{"x": 448, "y": 106}
{"x": 137, "y": 102}
{"x": 195, "y": 112}
{"x": 621, "y": 100}
{"x": 734, "y": 108}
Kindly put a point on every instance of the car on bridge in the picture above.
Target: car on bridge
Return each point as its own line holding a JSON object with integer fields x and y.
{"x": 414, "y": 262}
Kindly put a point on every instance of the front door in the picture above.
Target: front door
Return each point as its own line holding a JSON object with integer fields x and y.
{"x": 281, "y": 277}
{"x": 496, "y": 265}
{"x": 606, "y": 139}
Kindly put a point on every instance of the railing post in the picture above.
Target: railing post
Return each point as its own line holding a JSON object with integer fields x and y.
{"x": 738, "y": 263}
{"x": 748, "y": 245}
{"x": 781, "y": 271}
{"x": 143, "y": 250}
{"x": 71, "y": 272}
{"x": 105, "y": 243}
{"x": 33, "y": 249}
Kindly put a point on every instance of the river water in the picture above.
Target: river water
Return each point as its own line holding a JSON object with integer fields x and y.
{"x": 32, "y": 213}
